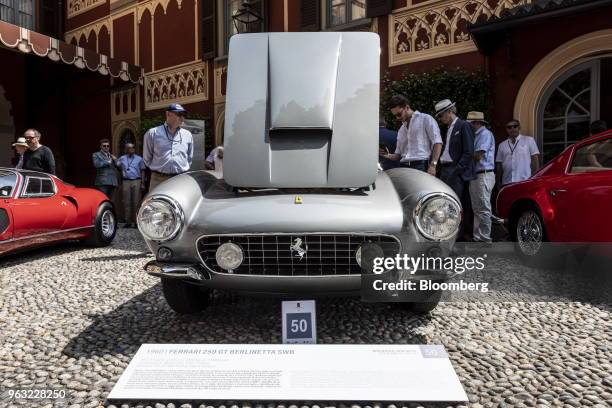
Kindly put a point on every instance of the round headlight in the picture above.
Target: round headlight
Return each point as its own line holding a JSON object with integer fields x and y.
{"x": 438, "y": 217}
{"x": 229, "y": 256}
{"x": 160, "y": 219}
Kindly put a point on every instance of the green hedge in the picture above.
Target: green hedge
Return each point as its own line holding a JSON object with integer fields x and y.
{"x": 470, "y": 90}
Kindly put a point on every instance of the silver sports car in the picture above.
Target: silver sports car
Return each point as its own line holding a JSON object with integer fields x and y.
{"x": 301, "y": 208}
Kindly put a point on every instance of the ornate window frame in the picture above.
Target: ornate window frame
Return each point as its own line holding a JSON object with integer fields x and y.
{"x": 436, "y": 29}
{"x": 76, "y": 7}
{"x": 185, "y": 83}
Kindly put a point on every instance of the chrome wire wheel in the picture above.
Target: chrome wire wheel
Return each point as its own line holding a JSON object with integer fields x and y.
{"x": 108, "y": 224}
{"x": 530, "y": 233}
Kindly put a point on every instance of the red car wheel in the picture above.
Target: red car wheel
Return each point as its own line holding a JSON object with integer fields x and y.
{"x": 105, "y": 226}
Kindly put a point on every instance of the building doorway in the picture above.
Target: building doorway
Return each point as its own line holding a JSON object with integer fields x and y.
{"x": 7, "y": 130}
{"x": 127, "y": 136}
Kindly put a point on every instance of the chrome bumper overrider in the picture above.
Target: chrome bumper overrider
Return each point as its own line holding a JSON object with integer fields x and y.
{"x": 176, "y": 271}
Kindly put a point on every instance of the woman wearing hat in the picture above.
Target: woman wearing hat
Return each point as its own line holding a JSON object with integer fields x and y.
{"x": 20, "y": 147}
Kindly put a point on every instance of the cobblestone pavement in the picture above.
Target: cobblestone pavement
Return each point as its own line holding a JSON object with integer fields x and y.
{"x": 72, "y": 317}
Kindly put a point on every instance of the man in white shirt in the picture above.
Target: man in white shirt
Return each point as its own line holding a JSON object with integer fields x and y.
{"x": 214, "y": 160}
{"x": 517, "y": 157}
{"x": 419, "y": 142}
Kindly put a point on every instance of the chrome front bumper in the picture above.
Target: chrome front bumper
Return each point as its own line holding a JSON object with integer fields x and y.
{"x": 265, "y": 284}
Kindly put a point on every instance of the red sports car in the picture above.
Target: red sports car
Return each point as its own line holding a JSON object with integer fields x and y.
{"x": 568, "y": 200}
{"x": 37, "y": 209}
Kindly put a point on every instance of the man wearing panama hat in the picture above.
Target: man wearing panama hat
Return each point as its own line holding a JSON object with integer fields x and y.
{"x": 20, "y": 147}
{"x": 457, "y": 160}
{"x": 482, "y": 186}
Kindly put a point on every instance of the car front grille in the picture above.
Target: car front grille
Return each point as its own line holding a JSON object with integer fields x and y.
{"x": 311, "y": 255}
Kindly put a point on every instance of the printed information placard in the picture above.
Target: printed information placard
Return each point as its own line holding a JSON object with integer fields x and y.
{"x": 290, "y": 372}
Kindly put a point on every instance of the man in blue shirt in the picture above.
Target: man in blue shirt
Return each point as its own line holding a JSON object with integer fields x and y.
{"x": 132, "y": 171}
{"x": 387, "y": 140}
{"x": 482, "y": 186}
{"x": 168, "y": 148}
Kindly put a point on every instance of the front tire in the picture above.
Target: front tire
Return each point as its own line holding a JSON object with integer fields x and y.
{"x": 428, "y": 302}
{"x": 105, "y": 226}
{"x": 183, "y": 297}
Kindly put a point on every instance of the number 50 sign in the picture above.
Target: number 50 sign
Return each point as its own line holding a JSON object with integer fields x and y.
{"x": 299, "y": 322}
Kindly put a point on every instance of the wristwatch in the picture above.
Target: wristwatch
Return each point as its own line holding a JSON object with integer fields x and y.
{"x": 434, "y": 163}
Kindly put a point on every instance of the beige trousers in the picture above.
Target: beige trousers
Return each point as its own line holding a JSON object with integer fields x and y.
{"x": 157, "y": 179}
{"x": 131, "y": 199}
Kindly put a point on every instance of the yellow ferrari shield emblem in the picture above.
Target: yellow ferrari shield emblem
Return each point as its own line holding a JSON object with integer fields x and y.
{"x": 298, "y": 200}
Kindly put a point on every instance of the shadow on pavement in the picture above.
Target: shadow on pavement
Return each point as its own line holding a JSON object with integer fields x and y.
{"x": 42, "y": 252}
{"x": 116, "y": 257}
{"x": 236, "y": 319}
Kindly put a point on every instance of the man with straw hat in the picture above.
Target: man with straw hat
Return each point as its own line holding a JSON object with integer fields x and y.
{"x": 20, "y": 147}
{"x": 482, "y": 186}
{"x": 457, "y": 159}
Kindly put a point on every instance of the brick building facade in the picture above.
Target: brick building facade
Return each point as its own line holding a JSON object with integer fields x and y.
{"x": 548, "y": 60}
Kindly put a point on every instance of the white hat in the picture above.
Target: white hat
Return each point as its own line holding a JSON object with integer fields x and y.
{"x": 443, "y": 106}
{"x": 20, "y": 142}
{"x": 475, "y": 116}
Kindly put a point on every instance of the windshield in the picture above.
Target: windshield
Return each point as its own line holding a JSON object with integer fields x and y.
{"x": 8, "y": 179}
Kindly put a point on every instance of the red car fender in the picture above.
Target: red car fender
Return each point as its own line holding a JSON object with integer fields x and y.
{"x": 532, "y": 193}
{"x": 5, "y": 211}
{"x": 87, "y": 201}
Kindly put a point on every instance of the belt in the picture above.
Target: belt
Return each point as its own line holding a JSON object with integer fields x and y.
{"x": 484, "y": 171}
{"x": 409, "y": 162}
{"x": 446, "y": 164}
{"x": 165, "y": 174}
{"x": 127, "y": 179}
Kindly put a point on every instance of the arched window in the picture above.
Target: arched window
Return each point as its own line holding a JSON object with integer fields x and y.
{"x": 568, "y": 107}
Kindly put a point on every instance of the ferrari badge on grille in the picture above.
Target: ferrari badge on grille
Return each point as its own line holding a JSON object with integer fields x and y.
{"x": 298, "y": 200}
{"x": 297, "y": 248}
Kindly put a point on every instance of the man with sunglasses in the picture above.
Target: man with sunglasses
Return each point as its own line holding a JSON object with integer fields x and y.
{"x": 168, "y": 148}
{"x": 37, "y": 157}
{"x": 517, "y": 157}
{"x": 419, "y": 142}
{"x": 104, "y": 162}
